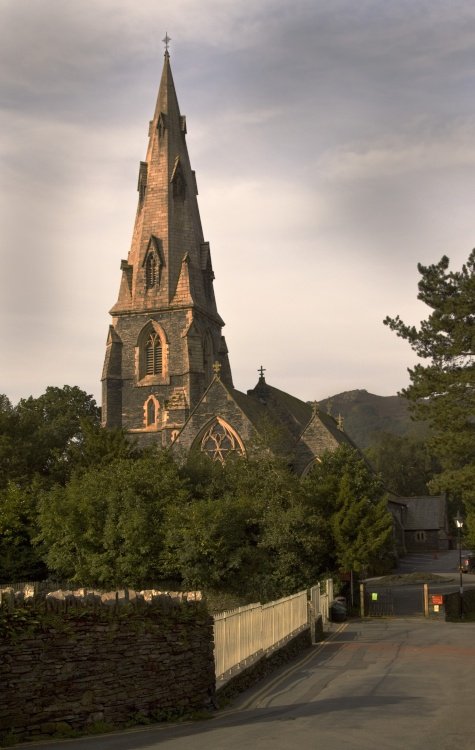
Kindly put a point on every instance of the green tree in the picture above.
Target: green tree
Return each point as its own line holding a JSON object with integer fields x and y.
{"x": 362, "y": 530}
{"x": 107, "y": 525}
{"x": 349, "y": 499}
{"x": 20, "y": 559}
{"x": 443, "y": 391}
{"x": 213, "y": 544}
{"x": 406, "y": 464}
{"x": 48, "y": 429}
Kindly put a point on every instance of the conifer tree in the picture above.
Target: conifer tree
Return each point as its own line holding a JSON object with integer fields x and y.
{"x": 443, "y": 391}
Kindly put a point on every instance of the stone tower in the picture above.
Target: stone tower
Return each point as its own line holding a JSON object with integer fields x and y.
{"x": 166, "y": 333}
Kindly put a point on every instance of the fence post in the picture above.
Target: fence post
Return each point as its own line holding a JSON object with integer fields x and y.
{"x": 362, "y": 593}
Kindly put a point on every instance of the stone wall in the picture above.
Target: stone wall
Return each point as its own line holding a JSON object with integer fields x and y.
{"x": 68, "y": 662}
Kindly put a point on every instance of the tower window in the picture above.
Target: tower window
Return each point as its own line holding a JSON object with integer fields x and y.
{"x": 151, "y": 270}
{"x": 153, "y": 355}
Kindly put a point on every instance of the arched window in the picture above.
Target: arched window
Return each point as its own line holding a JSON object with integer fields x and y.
{"x": 220, "y": 440}
{"x": 151, "y": 410}
{"x": 153, "y": 355}
{"x": 151, "y": 270}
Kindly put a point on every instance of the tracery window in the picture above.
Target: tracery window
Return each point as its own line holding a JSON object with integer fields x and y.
{"x": 220, "y": 440}
{"x": 153, "y": 355}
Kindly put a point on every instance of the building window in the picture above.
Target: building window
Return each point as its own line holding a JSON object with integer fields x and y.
{"x": 151, "y": 270}
{"x": 420, "y": 536}
{"x": 220, "y": 441}
{"x": 151, "y": 412}
{"x": 153, "y": 355}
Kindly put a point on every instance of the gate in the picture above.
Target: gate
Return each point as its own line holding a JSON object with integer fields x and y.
{"x": 391, "y": 601}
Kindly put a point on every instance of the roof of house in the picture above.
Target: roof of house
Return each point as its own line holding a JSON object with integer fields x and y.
{"x": 426, "y": 512}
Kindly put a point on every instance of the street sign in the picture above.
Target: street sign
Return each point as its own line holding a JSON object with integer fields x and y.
{"x": 437, "y": 599}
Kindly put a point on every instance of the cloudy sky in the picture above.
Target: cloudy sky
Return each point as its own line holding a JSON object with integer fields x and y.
{"x": 334, "y": 147}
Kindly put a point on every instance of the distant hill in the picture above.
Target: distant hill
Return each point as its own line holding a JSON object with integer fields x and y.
{"x": 365, "y": 415}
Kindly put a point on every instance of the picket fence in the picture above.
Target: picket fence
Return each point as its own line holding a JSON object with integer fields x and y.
{"x": 244, "y": 634}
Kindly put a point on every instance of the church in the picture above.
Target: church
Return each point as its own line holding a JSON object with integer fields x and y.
{"x": 167, "y": 378}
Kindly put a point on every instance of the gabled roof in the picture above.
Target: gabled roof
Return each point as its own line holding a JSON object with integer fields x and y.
{"x": 425, "y": 512}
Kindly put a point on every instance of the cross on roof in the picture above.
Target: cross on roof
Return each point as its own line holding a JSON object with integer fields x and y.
{"x": 261, "y": 371}
{"x": 166, "y": 39}
{"x": 217, "y": 369}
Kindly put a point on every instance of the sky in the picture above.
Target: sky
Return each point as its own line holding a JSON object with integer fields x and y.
{"x": 334, "y": 149}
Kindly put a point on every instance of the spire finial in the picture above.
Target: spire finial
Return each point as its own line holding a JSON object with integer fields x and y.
{"x": 261, "y": 372}
{"x": 314, "y": 408}
{"x": 217, "y": 369}
{"x": 166, "y": 40}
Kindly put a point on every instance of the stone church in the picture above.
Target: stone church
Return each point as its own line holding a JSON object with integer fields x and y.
{"x": 167, "y": 378}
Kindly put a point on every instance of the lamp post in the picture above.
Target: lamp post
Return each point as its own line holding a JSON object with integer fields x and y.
{"x": 459, "y": 525}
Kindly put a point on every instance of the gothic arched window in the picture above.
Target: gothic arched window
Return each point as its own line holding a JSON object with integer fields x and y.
{"x": 151, "y": 270}
{"x": 151, "y": 412}
{"x": 153, "y": 355}
{"x": 220, "y": 440}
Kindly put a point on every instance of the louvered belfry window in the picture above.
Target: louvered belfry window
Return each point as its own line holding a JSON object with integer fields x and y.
{"x": 151, "y": 270}
{"x": 153, "y": 355}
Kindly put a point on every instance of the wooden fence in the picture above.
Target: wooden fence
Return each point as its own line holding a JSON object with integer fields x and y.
{"x": 244, "y": 634}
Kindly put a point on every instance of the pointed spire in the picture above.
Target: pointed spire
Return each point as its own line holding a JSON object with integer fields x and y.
{"x": 168, "y": 211}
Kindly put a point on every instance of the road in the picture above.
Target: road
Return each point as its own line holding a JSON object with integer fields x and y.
{"x": 387, "y": 683}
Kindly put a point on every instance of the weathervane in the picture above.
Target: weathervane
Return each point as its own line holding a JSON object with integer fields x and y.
{"x": 166, "y": 39}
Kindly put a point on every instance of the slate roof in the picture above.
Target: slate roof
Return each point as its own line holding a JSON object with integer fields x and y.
{"x": 426, "y": 512}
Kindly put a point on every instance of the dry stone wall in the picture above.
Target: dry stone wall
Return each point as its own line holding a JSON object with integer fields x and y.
{"x": 71, "y": 660}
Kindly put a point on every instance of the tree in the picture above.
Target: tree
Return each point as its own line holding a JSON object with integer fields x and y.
{"x": 443, "y": 391}
{"x": 20, "y": 559}
{"x": 350, "y": 497}
{"x": 406, "y": 463}
{"x": 107, "y": 525}
{"x": 362, "y": 530}
{"x": 213, "y": 544}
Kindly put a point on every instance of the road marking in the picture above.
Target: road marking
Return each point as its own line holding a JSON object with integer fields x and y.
{"x": 281, "y": 677}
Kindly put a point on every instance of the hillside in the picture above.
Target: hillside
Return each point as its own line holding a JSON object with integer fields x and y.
{"x": 365, "y": 415}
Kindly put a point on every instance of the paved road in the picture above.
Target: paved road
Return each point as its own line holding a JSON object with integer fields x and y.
{"x": 428, "y": 562}
{"x": 385, "y": 684}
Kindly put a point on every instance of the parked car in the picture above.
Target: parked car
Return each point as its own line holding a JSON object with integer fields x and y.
{"x": 468, "y": 564}
{"x": 338, "y": 611}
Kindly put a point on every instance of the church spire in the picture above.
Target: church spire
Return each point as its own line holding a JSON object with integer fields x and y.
{"x": 167, "y": 225}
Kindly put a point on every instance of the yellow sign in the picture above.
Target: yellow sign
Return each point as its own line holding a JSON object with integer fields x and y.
{"x": 374, "y": 596}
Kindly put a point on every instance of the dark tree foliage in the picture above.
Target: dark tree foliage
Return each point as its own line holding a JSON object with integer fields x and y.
{"x": 443, "y": 391}
{"x": 44, "y": 441}
{"x": 356, "y": 530}
{"x": 406, "y": 464}
{"x": 107, "y": 526}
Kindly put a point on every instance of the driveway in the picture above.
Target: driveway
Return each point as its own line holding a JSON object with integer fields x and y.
{"x": 385, "y": 684}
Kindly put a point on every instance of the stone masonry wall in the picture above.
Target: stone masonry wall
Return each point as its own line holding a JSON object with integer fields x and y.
{"x": 67, "y": 664}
